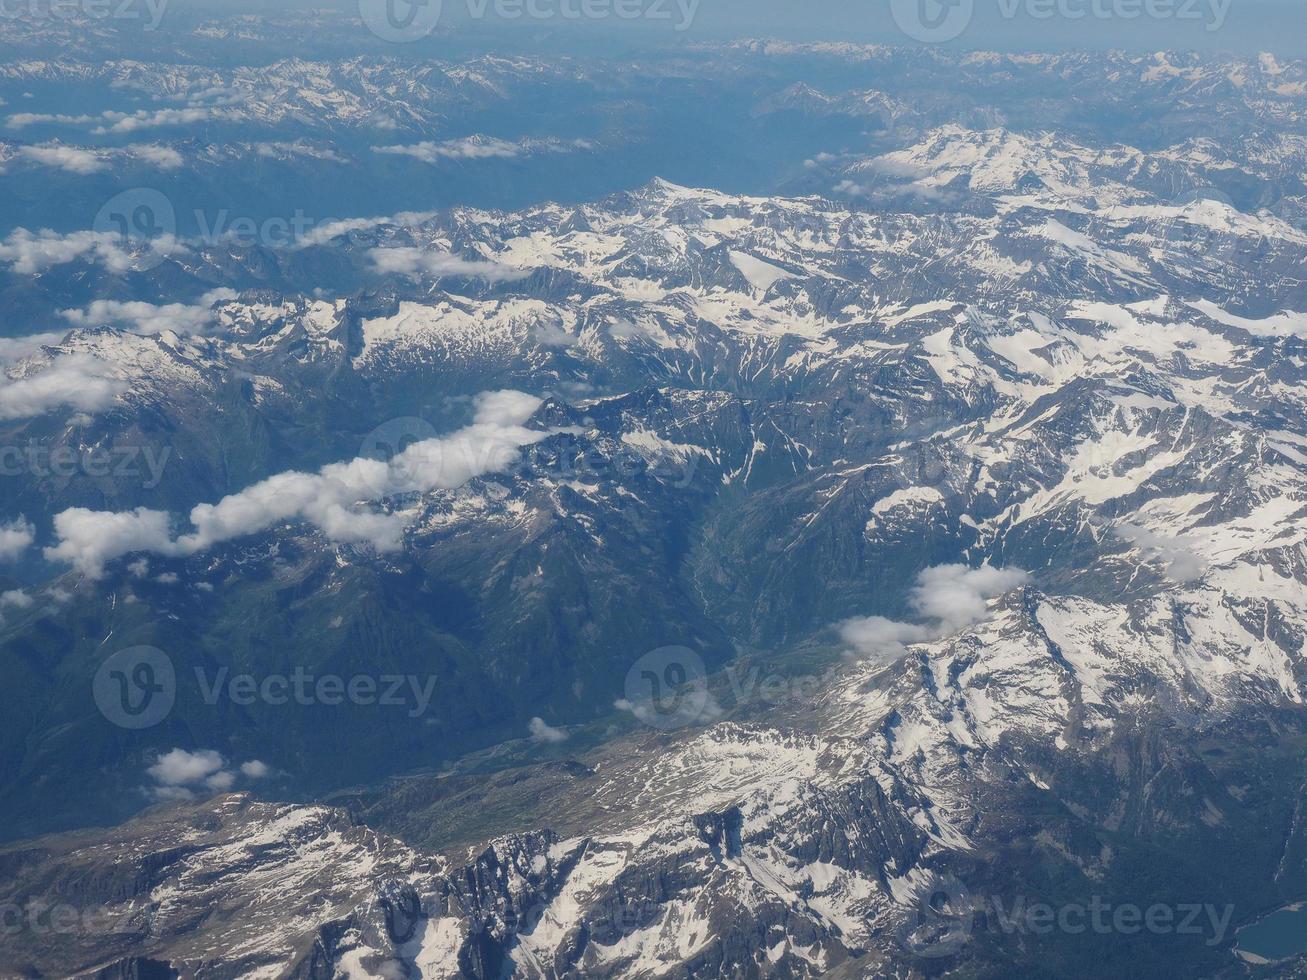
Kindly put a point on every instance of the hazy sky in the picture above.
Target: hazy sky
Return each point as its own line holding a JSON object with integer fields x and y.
{"x": 1279, "y": 26}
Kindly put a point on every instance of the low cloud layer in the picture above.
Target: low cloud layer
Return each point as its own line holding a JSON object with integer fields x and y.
{"x": 886, "y": 639}
{"x": 957, "y": 596}
{"x": 332, "y": 500}
{"x": 953, "y": 597}
{"x": 163, "y": 157}
{"x": 15, "y": 599}
{"x": 148, "y": 318}
{"x": 31, "y": 252}
{"x": 329, "y": 230}
{"x": 1180, "y": 556}
{"x": 471, "y": 148}
{"x": 17, "y": 348}
{"x": 543, "y": 732}
{"x": 68, "y": 158}
{"x": 77, "y": 381}
{"x": 82, "y": 161}
{"x": 481, "y": 148}
{"x": 122, "y": 122}
{"x": 16, "y": 536}
{"x": 418, "y": 262}
{"x": 182, "y": 775}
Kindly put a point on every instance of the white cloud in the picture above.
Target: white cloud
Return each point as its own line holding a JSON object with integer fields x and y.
{"x": 298, "y": 148}
{"x": 331, "y": 499}
{"x": 148, "y": 318}
{"x": 418, "y": 261}
{"x": 470, "y": 148}
{"x": 481, "y": 148}
{"x": 553, "y": 335}
{"x": 954, "y": 596}
{"x": 329, "y": 230}
{"x": 81, "y": 160}
{"x": 959, "y": 596}
{"x": 884, "y": 638}
{"x": 15, "y": 538}
{"x": 79, "y": 381}
{"x": 125, "y": 122}
{"x": 17, "y": 348}
{"x": 21, "y": 119}
{"x": 181, "y": 768}
{"x": 221, "y": 781}
{"x": 88, "y": 539}
{"x": 181, "y": 775}
{"x": 32, "y": 252}
{"x": 68, "y": 158}
{"x": 1180, "y": 554}
{"x": 15, "y": 599}
{"x": 541, "y": 732}
{"x": 163, "y": 157}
